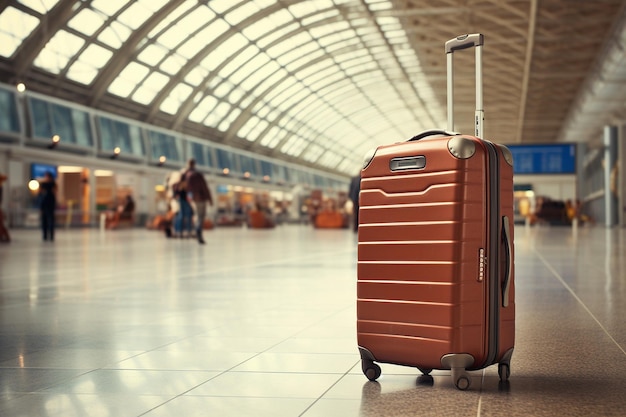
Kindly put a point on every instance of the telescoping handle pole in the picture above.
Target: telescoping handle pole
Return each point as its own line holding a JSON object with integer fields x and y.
{"x": 463, "y": 42}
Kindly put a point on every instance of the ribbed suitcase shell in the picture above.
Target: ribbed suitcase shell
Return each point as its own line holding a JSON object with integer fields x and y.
{"x": 425, "y": 270}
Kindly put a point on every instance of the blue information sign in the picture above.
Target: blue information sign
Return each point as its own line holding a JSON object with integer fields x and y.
{"x": 544, "y": 159}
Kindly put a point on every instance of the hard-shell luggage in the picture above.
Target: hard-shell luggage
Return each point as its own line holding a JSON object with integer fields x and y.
{"x": 435, "y": 285}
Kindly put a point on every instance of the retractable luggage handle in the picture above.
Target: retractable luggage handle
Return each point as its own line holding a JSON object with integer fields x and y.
{"x": 458, "y": 43}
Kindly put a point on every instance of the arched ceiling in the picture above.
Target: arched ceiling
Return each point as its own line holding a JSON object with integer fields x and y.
{"x": 320, "y": 82}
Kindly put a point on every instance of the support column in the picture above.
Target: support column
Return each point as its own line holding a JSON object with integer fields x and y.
{"x": 621, "y": 176}
{"x": 610, "y": 175}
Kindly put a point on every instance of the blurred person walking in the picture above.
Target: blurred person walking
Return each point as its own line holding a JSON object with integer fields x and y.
{"x": 47, "y": 205}
{"x": 4, "y": 233}
{"x": 199, "y": 192}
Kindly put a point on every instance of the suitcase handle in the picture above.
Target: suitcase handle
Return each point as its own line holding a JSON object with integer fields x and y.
{"x": 506, "y": 237}
{"x": 463, "y": 42}
{"x": 431, "y": 133}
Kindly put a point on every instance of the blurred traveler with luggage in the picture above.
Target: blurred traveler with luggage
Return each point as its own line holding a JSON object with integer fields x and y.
{"x": 124, "y": 212}
{"x": 182, "y": 221}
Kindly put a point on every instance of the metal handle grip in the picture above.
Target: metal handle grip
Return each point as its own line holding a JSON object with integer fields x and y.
{"x": 508, "y": 271}
{"x": 464, "y": 42}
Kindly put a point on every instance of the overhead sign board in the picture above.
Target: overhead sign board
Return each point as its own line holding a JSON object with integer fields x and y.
{"x": 544, "y": 159}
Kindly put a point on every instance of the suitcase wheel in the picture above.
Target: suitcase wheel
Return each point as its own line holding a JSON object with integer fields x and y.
{"x": 463, "y": 382}
{"x": 425, "y": 371}
{"x": 371, "y": 370}
{"x": 504, "y": 370}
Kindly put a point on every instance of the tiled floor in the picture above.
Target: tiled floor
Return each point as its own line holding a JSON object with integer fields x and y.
{"x": 262, "y": 323}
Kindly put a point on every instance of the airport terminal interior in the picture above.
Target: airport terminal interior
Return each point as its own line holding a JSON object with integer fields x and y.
{"x": 263, "y": 323}
{"x": 280, "y": 104}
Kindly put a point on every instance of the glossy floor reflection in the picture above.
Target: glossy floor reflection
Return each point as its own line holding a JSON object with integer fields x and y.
{"x": 262, "y": 323}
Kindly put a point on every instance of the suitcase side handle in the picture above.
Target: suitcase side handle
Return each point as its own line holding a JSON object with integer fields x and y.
{"x": 432, "y": 132}
{"x": 508, "y": 271}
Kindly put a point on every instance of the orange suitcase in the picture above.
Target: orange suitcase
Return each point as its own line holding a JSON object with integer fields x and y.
{"x": 435, "y": 285}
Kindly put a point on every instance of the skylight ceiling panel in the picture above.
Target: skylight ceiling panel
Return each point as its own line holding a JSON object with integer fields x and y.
{"x": 319, "y": 17}
{"x": 271, "y": 80}
{"x": 343, "y": 38}
{"x": 173, "y": 37}
{"x": 261, "y": 110}
{"x": 331, "y": 93}
{"x": 153, "y": 6}
{"x": 313, "y": 152}
{"x": 333, "y": 78}
{"x": 293, "y": 42}
{"x": 194, "y": 44}
{"x": 258, "y": 29}
{"x": 350, "y": 54}
{"x": 115, "y": 35}
{"x": 294, "y": 146}
{"x": 202, "y": 109}
{"x": 152, "y": 54}
{"x": 304, "y": 8}
{"x": 347, "y": 165}
{"x": 196, "y": 76}
{"x": 310, "y": 104}
{"x": 273, "y": 137}
{"x": 218, "y": 113}
{"x": 330, "y": 158}
{"x": 236, "y": 94}
{"x": 275, "y": 35}
{"x": 375, "y": 5}
{"x": 86, "y": 22}
{"x": 356, "y": 60}
{"x": 327, "y": 116}
{"x": 291, "y": 99}
{"x": 128, "y": 79}
{"x": 321, "y": 31}
{"x": 173, "y": 64}
{"x": 180, "y": 93}
{"x": 257, "y": 130}
{"x": 361, "y": 68}
{"x": 196, "y": 19}
{"x": 41, "y": 6}
{"x": 333, "y": 48}
{"x": 285, "y": 85}
{"x": 223, "y": 89}
{"x": 316, "y": 69}
{"x": 228, "y": 120}
{"x": 107, "y": 7}
{"x": 248, "y": 126}
{"x": 296, "y": 53}
{"x": 250, "y": 67}
{"x": 304, "y": 61}
{"x": 86, "y": 67}
{"x": 150, "y": 88}
{"x": 135, "y": 16}
{"x": 15, "y": 26}
{"x": 237, "y": 58}
{"x": 320, "y": 75}
{"x": 58, "y": 51}
{"x": 245, "y": 10}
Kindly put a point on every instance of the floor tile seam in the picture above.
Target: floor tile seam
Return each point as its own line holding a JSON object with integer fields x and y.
{"x": 219, "y": 373}
{"x": 578, "y": 299}
{"x": 348, "y": 372}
